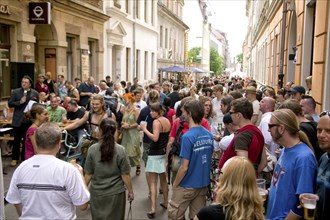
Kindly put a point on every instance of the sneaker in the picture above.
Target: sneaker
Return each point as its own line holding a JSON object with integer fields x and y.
{"x": 13, "y": 163}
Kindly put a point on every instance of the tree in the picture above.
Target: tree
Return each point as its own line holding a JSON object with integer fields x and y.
{"x": 194, "y": 55}
{"x": 239, "y": 58}
{"x": 216, "y": 62}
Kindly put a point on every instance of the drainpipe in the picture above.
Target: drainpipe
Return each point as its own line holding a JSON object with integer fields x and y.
{"x": 280, "y": 73}
{"x": 133, "y": 46}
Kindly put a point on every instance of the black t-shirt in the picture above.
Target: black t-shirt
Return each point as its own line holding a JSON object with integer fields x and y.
{"x": 174, "y": 96}
{"x": 212, "y": 212}
{"x": 310, "y": 129}
{"x": 78, "y": 114}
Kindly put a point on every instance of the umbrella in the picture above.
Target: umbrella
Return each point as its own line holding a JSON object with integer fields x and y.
{"x": 196, "y": 70}
{"x": 175, "y": 69}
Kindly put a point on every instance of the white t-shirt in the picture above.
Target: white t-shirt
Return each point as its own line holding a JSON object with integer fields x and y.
{"x": 263, "y": 127}
{"x": 216, "y": 105}
{"x": 225, "y": 141}
{"x": 141, "y": 104}
{"x": 47, "y": 188}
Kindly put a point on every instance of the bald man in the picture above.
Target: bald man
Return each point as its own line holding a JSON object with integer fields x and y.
{"x": 267, "y": 106}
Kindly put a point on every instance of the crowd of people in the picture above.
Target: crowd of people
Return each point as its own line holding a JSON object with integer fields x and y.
{"x": 178, "y": 129}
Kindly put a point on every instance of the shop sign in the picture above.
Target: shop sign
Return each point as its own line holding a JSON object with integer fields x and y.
{"x": 4, "y": 9}
{"x": 39, "y": 13}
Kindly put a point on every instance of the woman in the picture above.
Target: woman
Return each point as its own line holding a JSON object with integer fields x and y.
{"x": 50, "y": 83}
{"x": 38, "y": 115}
{"x": 41, "y": 86}
{"x": 108, "y": 169}
{"x": 208, "y": 109}
{"x": 238, "y": 196}
{"x": 157, "y": 155}
{"x": 130, "y": 133}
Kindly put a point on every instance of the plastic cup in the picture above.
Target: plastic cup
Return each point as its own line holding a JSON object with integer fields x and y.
{"x": 309, "y": 202}
{"x": 143, "y": 123}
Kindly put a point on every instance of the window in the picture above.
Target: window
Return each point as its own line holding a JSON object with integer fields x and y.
{"x": 69, "y": 56}
{"x": 136, "y": 8}
{"x": 166, "y": 36}
{"x": 161, "y": 36}
{"x": 145, "y": 10}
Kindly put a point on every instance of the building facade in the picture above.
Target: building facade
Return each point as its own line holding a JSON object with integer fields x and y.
{"x": 131, "y": 39}
{"x": 218, "y": 40}
{"x": 69, "y": 43}
{"x": 172, "y": 34}
{"x": 289, "y": 41}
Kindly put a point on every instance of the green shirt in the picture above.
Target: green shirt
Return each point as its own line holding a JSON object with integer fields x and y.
{"x": 56, "y": 115}
{"x": 106, "y": 178}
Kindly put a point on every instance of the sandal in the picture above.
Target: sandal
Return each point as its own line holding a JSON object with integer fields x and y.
{"x": 151, "y": 215}
{"x": 138, "y": 171}
{"x": 163, "y": 205}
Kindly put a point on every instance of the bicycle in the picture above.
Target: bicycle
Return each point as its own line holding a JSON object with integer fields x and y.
{"x": 71, "y": 150}
{"x": 214, "y": 176}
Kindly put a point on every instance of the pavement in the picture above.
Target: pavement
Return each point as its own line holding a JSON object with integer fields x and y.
{"x": 140, "y": 205}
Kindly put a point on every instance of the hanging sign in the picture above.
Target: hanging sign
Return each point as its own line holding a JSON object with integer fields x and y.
{"x": 39, "y": 13}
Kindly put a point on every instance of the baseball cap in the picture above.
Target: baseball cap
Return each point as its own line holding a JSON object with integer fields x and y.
{"x": 227, "y": 118}
{"x": 299, "y": 89}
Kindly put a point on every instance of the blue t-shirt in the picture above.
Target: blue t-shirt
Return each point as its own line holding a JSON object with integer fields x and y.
{"x": 197, "y": 147}
{"x": 294, "y": 174}
{"x": 85, "y": 88}
{"x": 323, "y": 188}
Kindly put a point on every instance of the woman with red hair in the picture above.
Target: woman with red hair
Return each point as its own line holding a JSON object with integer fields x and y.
{"x": 130, "y": 133}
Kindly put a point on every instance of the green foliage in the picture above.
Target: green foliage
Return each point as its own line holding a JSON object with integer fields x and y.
{"x": 239, "y": 58}
{"x": 216, "y": 62}
{"x": 194, "y": 55}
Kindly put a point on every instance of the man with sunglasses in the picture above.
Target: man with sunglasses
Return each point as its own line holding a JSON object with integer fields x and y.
{"x": 248, "y": 141}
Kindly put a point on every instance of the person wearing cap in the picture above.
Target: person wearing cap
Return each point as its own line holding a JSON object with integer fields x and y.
{"x": 232, "y": 128}
{"x": 297, "y": 92}
{"x": 251, "y": 95}
{"x": 19, "y": 100}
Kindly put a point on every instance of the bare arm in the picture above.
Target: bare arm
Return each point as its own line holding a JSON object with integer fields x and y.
{"x": 181, "y": 172}
{"x": 77, "y": 123}
{"x": 196, "y": 218}
{"x": 292, "y": 216}
{"x": 263, "y": 160}
{"x": 88, "y": 178}
{"x": 76, "y": 94}
{"x": 128, "y": 183}
{"x": 18, "y": 209}
{"x": 254, "y": 119}
{"x": 155, "y": 129}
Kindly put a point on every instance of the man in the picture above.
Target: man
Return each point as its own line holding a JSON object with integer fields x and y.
{"x": 323, "y": 175}
{"x": 267, "y": 105}
{"x": 56, "y": 113}
{"x": 135, "y": 84}
{"x": 161, "y": 94}
{"x": 74, "y": 114}
{"x": 174, "y": 96}
{"x": 308, "y": 106}
{"x": 93, "y": 117}
{"x": 86, "y": 90}
{"x": 251, "y": 95}
{"x": 19, "y": 100}
{"x": 139, "y": 103}
{"x": 108, "y": 81}
{"x": 61, "y": 88}
{"x": 77, "y": 82}
{"x": 193, "y": 177}
{"x": 296, "y": 169}
{"x": 44, "y": 187}
{"x": 248, "y": 141}
{"x": 73, "y": 92}
{"x": 216, "y": 103}
{"x": 297, "y": 92}
{"x": 128, "y": 87}
{"x": 225, "y": 141}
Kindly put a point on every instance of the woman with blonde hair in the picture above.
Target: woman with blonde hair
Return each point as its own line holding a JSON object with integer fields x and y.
{"x": 130, "y": 133}
{"x": 237, "y": 196}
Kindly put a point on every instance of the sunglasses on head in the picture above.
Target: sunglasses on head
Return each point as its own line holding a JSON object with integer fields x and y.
{"x": 325, "y": 113}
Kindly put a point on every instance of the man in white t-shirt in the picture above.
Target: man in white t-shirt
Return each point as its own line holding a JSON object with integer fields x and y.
{"x": 44, "y": 187}
{"x": 251, "y": 95}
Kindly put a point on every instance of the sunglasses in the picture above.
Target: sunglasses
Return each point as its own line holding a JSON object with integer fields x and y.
{"x": 272, "y": 125}
{"x": 325, "y": 113}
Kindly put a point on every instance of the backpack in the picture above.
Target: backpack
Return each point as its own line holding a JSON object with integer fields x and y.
{"x": 178, "y": 134}
{"x": 111, "y": 103}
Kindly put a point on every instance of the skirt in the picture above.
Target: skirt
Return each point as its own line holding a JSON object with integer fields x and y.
{"x": 156, "y": 164}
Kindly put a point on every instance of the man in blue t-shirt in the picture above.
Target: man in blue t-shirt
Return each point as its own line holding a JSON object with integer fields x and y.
{"x": 193, "y": 177}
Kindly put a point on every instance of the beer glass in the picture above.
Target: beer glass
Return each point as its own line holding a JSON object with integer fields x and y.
{"x": 261, "y": 184}
{"x": 309, "y": 203}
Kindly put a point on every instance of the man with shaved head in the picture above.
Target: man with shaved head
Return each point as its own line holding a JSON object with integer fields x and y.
{"x": 308, "y": 106}
{"x": 267, "y": 105}
{"x": 86, "y": 90}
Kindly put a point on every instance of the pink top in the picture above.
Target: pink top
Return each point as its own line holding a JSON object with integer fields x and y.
{"x": 39, "y": 88}
{"x": 176, "y": 125}
{"x": 29, "y": 151}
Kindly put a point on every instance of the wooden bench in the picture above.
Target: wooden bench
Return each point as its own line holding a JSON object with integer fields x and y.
{"x": 6, "y": 138}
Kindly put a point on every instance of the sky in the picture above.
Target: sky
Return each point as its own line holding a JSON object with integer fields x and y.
{"x": 229, "y": 16}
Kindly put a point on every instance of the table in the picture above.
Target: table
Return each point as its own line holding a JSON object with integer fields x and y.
{"x": 5, "y": 122}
